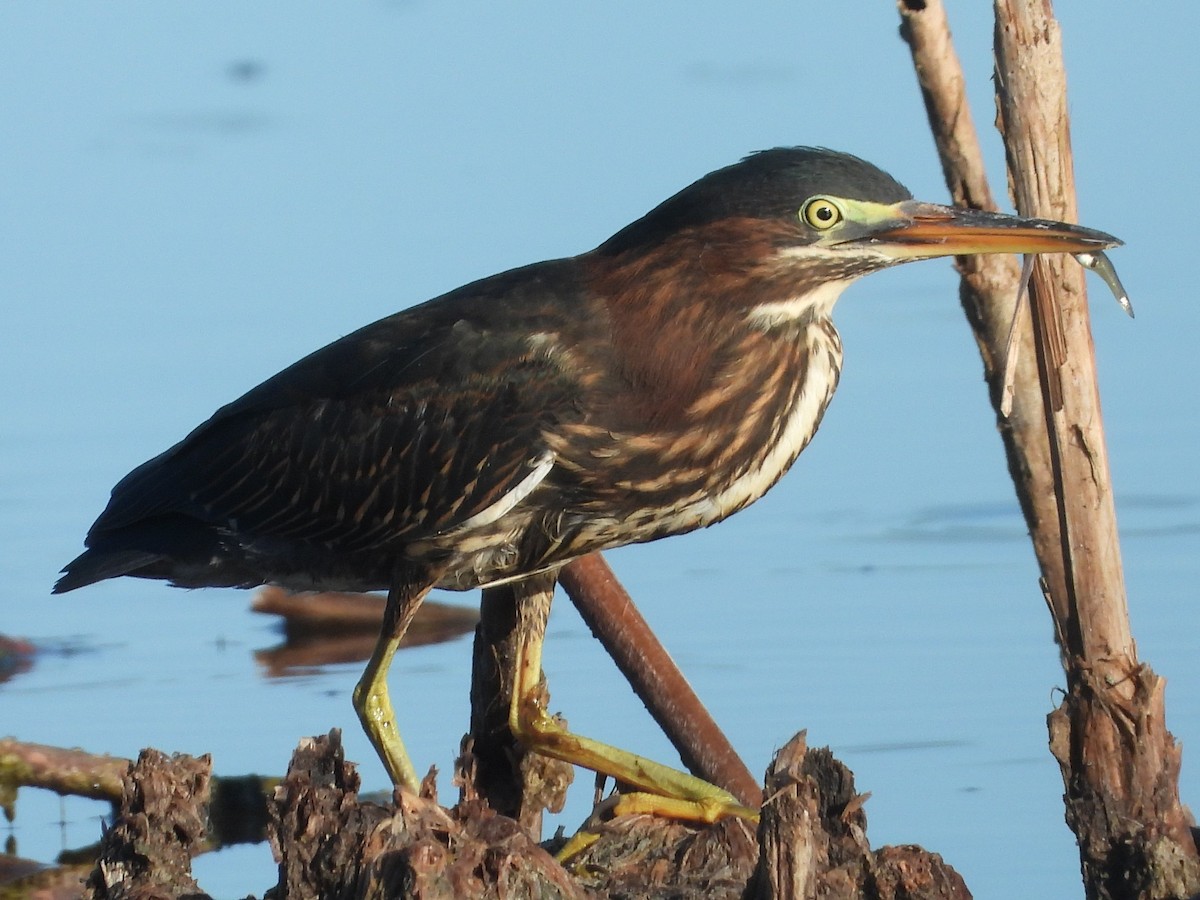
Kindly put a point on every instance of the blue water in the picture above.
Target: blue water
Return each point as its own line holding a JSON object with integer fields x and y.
{"x": 195, "y": 196}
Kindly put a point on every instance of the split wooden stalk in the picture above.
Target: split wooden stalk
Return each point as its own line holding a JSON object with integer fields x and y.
{"x": 988, "y": 288}
{"x": 1119, "y": 764}
{"x": 513, "y": 782}
{"x": 1090, "y": 607}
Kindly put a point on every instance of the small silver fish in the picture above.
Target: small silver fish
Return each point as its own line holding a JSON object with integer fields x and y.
{"x": 1100, "y": 264}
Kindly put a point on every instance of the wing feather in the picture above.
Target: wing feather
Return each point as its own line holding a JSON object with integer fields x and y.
{"x": 402, "y": 431}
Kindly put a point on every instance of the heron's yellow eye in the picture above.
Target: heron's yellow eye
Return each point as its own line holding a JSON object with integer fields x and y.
{"x": 821, "y": 213}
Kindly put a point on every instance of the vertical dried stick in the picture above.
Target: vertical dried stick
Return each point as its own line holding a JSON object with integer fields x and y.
{"x": 1119, "y": 763}
{"x": 1031, "y": 86}
{"x": 512, "y": 781}
{"x": 989, "y": 283}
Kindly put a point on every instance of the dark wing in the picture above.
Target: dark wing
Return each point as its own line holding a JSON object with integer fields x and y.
{"x": 394, "y": 433}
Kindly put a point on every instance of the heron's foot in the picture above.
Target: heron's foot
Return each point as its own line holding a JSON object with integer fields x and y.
{"x": 651, "y": 787}
{"x": 705, "y": 811}
{"x": 656, "y": 789}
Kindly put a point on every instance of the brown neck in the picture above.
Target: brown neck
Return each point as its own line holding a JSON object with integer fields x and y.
{"x": 677, "y": 316}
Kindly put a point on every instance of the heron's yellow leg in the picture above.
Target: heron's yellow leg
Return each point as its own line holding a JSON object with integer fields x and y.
{"x": 660, "y": 789}
{"x": 371, "y": 700}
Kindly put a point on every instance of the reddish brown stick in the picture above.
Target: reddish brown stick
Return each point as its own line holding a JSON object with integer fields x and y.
{"x": 615, "y": 621}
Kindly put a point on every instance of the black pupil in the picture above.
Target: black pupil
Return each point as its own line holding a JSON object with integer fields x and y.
{"x": 824, "y": 213}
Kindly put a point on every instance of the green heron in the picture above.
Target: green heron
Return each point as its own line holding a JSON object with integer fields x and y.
{"x": 654, "y": 385}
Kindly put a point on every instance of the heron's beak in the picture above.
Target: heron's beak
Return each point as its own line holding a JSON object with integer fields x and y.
{"x": 917, "y": 230}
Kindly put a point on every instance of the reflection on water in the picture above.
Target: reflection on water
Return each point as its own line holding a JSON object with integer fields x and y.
{"x": 16, "y": 656}
{"x": 324, "y": 629}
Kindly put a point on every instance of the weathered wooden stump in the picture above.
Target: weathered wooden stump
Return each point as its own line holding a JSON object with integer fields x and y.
{"x": 161, "y": 823}
{"x": 329, "y": 843}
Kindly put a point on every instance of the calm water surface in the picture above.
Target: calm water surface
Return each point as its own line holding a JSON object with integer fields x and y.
{"x": 195, "y": 197}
